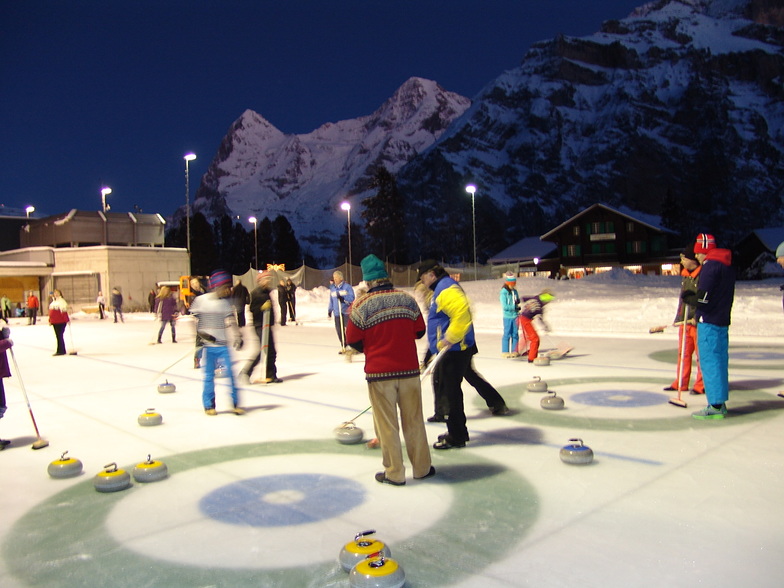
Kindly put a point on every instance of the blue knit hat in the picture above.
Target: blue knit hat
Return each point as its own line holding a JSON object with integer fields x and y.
{"x": 373, "y": 268}
{"x": 219, "y": 278}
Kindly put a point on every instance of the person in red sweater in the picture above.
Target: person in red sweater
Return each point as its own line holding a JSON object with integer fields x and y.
{"x": 58, "y": 318}
{"x": 384, "y": 324}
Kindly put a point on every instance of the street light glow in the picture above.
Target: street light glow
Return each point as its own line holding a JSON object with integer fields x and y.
{"x": 30, "y": 210}
{"x": 104, "y": 193}
{"x": 471, "y": 189}
{"x": 253, "y": 220}
{"x": 189, "y": 157}
{"x": 347, "y": 207}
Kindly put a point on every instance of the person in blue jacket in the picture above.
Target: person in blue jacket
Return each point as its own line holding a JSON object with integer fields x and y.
{"x": 341, "y": 295}
{"x": 510, "y": 306}
{"x": 449, "y": 326}
{"x": 714, "y": 297}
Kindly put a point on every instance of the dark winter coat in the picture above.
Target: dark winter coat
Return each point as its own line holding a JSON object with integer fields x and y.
{"x": 166, "y": 308}
{"x": 5, "y": 345}
{"x": 240, "y": 297}
{"x": 689, "y": 281}
{"x": 716, "y": 290}
{"x": 258, "y": 297}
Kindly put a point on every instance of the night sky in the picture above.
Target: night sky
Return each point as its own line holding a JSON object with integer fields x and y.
{"x": 115, "y": 93}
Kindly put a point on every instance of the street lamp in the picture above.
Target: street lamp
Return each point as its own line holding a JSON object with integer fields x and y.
{"x": 188, "y": 157}
{"x": 471, "y": 189}
{"x": 30, "y": 210}
{"x": 255, "y": 221}
{"x": 347, "y": 207}
{"x": 105, "y": 192}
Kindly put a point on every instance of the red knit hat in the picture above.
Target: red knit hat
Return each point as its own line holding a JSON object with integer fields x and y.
{"x": 704, "y": 243}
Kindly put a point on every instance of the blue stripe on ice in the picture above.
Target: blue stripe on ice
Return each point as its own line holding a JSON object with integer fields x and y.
{"x": 288, "y": 499}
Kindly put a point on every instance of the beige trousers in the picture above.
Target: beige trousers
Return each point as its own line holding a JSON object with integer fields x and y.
{"x": 385, "y": 397}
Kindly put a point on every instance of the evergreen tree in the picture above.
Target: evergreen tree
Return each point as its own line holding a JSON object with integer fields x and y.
{"x": 265, "y": 243}
{"x": 285, "y": 246}
{"x": 204, "y": 257}
{"x": 383, "y": 214}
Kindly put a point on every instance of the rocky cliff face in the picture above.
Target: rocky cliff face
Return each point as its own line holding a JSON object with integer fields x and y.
{"x": 677, "y": 110}
{"x": 261, "y": 171}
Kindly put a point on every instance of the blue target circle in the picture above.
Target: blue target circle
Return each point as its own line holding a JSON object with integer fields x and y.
{"x": 619, "y": 398}
{"x": 282, "y": 500}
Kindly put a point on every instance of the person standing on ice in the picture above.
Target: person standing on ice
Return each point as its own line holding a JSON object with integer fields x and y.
{"x": 449, "y": 326}
{"x": 261, "y": 310}
{"x": 688, "y": 327}
{"x": 33, "y": 305}
{"x": 240, "y": 298}
{"x": 714, "y": 297}
{"x": 117, "y": 302}
{"x": 166, "y": 311}
{"x": 215, "y": 315}
{"x": 58, "y": 318}
{"x": 510, "y": 306}
{"x": 341, "y": 295}
{"x": 5, "y": 372}
{"x": 533, "y": 307}
{"x": 384, "y": 324}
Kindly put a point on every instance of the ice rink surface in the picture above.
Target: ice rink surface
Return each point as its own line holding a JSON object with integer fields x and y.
{"x": 270, "y": 498}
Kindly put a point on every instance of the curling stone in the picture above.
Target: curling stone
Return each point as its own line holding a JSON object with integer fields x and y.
{"x": 65, "y": 467}
{"x": 536, "y": 385}
{"x": 166, "y": 388}
{"x": 377, "y": 571}
{"x": 576, "y": 453}
{"x": 150, "y": 471}
{"x": 360, "y": 548}
{"x": 349, "y": 434}
{"x": 552, "y": 402}
{"x": 150, "y": 418}
{"x": 112, "y": 479}
{"x": 542, "y": 360}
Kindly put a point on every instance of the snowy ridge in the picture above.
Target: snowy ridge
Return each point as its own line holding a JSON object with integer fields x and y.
{"x": 681, "y": 100}
{"x": 261, "y": 171}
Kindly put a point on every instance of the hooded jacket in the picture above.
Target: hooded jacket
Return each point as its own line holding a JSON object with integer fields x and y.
{"x": 716, "y": 288}
{"x": 449, "y": 316}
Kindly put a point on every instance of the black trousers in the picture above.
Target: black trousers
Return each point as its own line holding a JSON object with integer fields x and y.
{"x": 447, "y": 377}
{"x": 59, "y": 333}
{"x": 272, "y": 371}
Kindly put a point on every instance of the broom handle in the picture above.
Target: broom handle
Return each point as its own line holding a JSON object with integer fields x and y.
{"x": 24, "y": 391}
{"x": 683, "y": 347}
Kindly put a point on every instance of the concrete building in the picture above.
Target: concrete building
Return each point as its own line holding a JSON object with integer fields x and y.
{"x": 82, "y": 253}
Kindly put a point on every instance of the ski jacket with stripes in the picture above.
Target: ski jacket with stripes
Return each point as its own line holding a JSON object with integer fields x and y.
{"x": 449, "y": 316}
{"x": 212, "y": 313}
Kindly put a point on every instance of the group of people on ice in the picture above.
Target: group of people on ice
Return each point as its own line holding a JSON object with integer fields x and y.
{"x": 521, "y": 314}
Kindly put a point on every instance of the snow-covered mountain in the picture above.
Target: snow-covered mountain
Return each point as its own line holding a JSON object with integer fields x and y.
{"x": 676, "y": 110}
{"x": 261, "y": 171}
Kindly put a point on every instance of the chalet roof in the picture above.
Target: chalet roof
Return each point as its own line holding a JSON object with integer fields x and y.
{"x": 649, "y": 220}
{"x": 524, "y": 250}
{"x": 771, "y": 238}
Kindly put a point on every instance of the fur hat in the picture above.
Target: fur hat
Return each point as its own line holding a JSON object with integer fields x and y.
{"x": 373, "y": 268}
{"x": 429, "y": 265}
{"x": 219, "y": 278}
{"x": 688, "y": 253}
{"x": 704, "y": 243}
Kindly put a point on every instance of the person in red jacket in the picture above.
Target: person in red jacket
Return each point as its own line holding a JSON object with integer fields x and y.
{"x": 32, "y": 308}
{"x": 58, "y": 318}
{"x": 689, "y": 279}
{"x": 384, "y": 324}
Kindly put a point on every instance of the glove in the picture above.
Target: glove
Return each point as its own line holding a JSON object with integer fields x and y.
{"x": 781, "y": 287}
{"x": 206, "y": 336}
{"x": 329, "y": 313}
{"x": 238, "y": 343}
{"x": 443, "y": 343}
{"x": 689, "y": 297}
{"x": 267, "y": 305}
{"x": 340, "y": 299}
{"x": 517, "y": 308}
